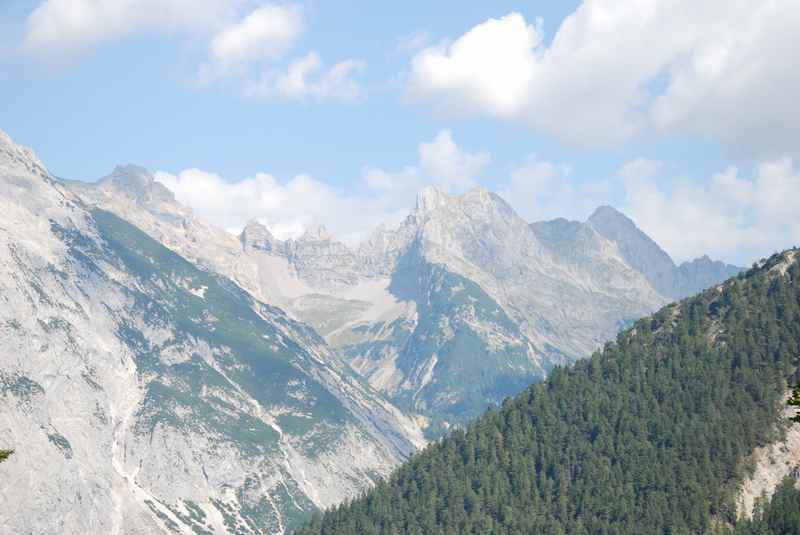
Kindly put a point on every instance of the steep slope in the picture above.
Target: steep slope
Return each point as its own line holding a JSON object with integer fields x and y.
{"x": 644, "y": 255}
{"x": 145, "y": 395}
{"x": 652, "y": 435}
{"x": 570, "y": 306}
{"x": 384, "y": 305}
{"x": 524, "y": 310}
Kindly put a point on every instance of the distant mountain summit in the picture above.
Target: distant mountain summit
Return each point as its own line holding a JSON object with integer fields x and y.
{"x": 459, "y": 306}
{"x": 644, "y": 255}
{"x": 678, "y": 426}
{"x": 235, "y": 383}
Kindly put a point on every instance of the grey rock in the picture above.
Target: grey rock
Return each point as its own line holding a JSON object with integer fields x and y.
{"x": 644, "y": 255}
{"x": 143, "y": 394}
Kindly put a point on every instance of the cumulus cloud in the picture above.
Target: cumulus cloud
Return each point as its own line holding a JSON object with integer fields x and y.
{"x": 541, "y": 190}
{"x": 490, "y": 67}
{"x": 721, "y": 69}
{"x": 265, "y": 33}
{"x": 735, "y": 215}
{"x": 448, "y": 165}
{"x": 441, "y": 163}
{"x": 731, "y": 216}
{"x": 68, "y": 27}
{"x": 286, "y": 207}
{"x": 306, "y": 78}
{"x": 244, "y": 43}
{"x": 289, "y": 207}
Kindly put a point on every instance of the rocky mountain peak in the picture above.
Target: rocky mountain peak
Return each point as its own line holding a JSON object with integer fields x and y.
{"x": 480, "y": 200}
{"x": 14, "y": 155}
{"x": 644, "y": 255}
{"x": 316, "y": 233}
{"x": 430, "y": 198}
{"x": 608, "y": 215}
{"x": 137, "y": 183}
{"x": 636, "y": 247}
{"x": 479, "y": 193}
{"x": 256, "y": 235}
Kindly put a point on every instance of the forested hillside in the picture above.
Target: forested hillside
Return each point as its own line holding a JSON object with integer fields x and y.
{"x": 648, "y": 436}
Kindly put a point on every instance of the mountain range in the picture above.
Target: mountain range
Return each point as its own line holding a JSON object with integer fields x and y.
{"x": 160, "y": 374}
{"x": 461, "y": 305}
{"x": 674, "y": 427}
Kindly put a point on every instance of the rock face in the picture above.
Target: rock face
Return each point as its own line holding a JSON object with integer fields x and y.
{"x": 145, "y": 395}
{"x": 161, "y": 374}
{"x": 644, "y": 255}
{"x": 462, "y": 304}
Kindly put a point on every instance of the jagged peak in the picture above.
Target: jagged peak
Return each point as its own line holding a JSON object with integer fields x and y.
{"x": 15, "y": 154}
{"x": 137, "y": 182}
{"x": 5, "y": 139}
{"x": 130, "y": 175}
{"x": 256, "y": 235}
{"x": 316, "y": 233}
{"x": 609, "y": 213}
{"x": 618, "y": 227}
{"x": 430, "y": 198}
{"x": 255, "y": 225}
{"x": 256, "y": 229}
{"x": 478, "y": 191}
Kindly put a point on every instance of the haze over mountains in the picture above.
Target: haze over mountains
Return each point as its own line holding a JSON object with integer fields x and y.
{"x": 236, "y": 383}
{"x": 463, "y": 289}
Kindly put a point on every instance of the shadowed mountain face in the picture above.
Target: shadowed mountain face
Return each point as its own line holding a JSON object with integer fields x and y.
{"x": 459, "y": 306}
{"x": 145, "y": 395}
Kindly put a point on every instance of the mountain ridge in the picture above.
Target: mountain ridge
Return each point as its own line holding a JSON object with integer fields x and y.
{"x": 563, "y": 306}
{"x": 145, "y": 394}
{"x": 651, "y": 435}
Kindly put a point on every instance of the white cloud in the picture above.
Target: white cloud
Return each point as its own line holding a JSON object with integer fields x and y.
{"x": 541, "y": 190}
{"x": 448, "y": 165}
{"x": 720, "y": 68}
{"x": 441, "y": 163}
{"x": 729, "y": 216}
{"x": 289, "y": 207}
{"x": 490, "y": 67}
{"x": 265, "y": 33}
{"x": 244, "y": 44}
{"x": 58, "y": 28}
{"x": 732, "y": 215}
{"x": 286, "y": 207}
{"x": 306, "y": 78}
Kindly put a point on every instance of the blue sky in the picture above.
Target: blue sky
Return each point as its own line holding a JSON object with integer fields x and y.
{"x": 338, "y": 112}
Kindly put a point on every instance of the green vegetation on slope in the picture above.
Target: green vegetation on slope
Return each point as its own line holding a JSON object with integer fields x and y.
{"x": 480, "y": 355}
{"x": 647, "y": 436}
{"x": 5, "y": 454}
{"x": 222, "y": 358}
{"x": 202, "y": 305}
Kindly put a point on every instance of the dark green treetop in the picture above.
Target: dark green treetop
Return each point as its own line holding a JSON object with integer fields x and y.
{"x": 650, "y": 435}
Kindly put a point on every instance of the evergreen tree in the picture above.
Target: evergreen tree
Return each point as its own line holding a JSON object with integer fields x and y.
{"x": 649, "y": 435}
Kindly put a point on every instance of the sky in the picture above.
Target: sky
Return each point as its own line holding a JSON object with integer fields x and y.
{"x": 681, "y": 114}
